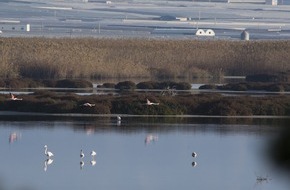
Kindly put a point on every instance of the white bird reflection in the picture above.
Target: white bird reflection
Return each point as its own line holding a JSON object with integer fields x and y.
{"x": 151, "y": 138}
{"x": 93, "y": 162}
{"x": 47, "y": 162}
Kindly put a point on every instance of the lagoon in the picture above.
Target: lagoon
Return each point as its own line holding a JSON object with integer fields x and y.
{"x": 138, "y": 153}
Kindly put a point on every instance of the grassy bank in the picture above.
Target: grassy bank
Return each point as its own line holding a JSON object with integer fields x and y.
{"x": 137, "y": 58}
{"x": 135, "y": 103}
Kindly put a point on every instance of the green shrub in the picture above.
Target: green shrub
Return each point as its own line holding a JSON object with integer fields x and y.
{"x": 147, "y": 85}
{"x": 126, "y": 85}
{"x": 66, "y": 83}
{"x": 183, "y": 86}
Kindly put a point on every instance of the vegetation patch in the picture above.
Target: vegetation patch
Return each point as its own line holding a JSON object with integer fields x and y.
{"x": 136, "y": 103}
{"x": 91, "y": 58}
{"x": 30, "y": 83}
{"x": 270, "y": 87}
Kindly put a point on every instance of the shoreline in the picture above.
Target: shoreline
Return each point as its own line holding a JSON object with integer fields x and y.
{"x": 15, "y": 113}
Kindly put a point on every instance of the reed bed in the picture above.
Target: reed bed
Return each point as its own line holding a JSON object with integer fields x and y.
{"x": 91, "y": 58}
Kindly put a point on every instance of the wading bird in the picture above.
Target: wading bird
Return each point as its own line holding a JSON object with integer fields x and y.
{"x": 47, "y": 153}
{"x": 93, "y": 154}
{"x": 82, "y": 154}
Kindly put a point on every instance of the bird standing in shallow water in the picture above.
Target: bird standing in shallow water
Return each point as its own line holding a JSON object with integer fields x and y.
{"x": 47, "y": 153}
{"x": 93, "y": 154}
{"x": 82, "y": 154}
{"x": 194, "y": 154}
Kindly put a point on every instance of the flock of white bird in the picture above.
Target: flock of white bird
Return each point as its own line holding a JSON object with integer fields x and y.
{"x": 49, "y": 159}
{"x": 148, "y": 139}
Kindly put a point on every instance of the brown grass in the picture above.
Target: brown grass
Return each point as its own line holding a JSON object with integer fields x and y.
{"x": 131, "y": 58}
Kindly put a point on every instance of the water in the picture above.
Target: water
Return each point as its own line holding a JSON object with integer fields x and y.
{"x": 230, "y": 156}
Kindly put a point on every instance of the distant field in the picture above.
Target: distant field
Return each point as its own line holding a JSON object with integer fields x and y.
{"x": 138, "y": 58}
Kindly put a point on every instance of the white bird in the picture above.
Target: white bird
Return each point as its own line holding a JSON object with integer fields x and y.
{"x": 47, "y": 153}
{"x": 82, "y": 154}
{"x": 87, "y": 104}
{"x": 149, "y": 103}
{"x": 93, "y": 154}
{"x": 12, "y": 97}
{"x": 119, "y": 118}
{"x": 194, "y": 154}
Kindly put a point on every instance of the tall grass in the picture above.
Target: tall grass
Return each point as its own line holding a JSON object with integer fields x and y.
{"x": 131, "y": 58}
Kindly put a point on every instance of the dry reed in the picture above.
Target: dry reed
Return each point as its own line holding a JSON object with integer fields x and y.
{"x": 138, "y": 58}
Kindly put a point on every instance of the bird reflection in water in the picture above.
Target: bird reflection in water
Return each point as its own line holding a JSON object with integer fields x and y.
{"x": 82, "y": 163}
{"x": 151, "y": 138}
{"x": 260, "y": 180}
{"x": 14, "y": 136}
{"x": 90, "y": 130}
{"x": 93, "y": 162}
{"x": 47, "y": 162}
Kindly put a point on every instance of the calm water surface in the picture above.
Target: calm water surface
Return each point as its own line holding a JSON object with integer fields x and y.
{"x": 136, "y": 154}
